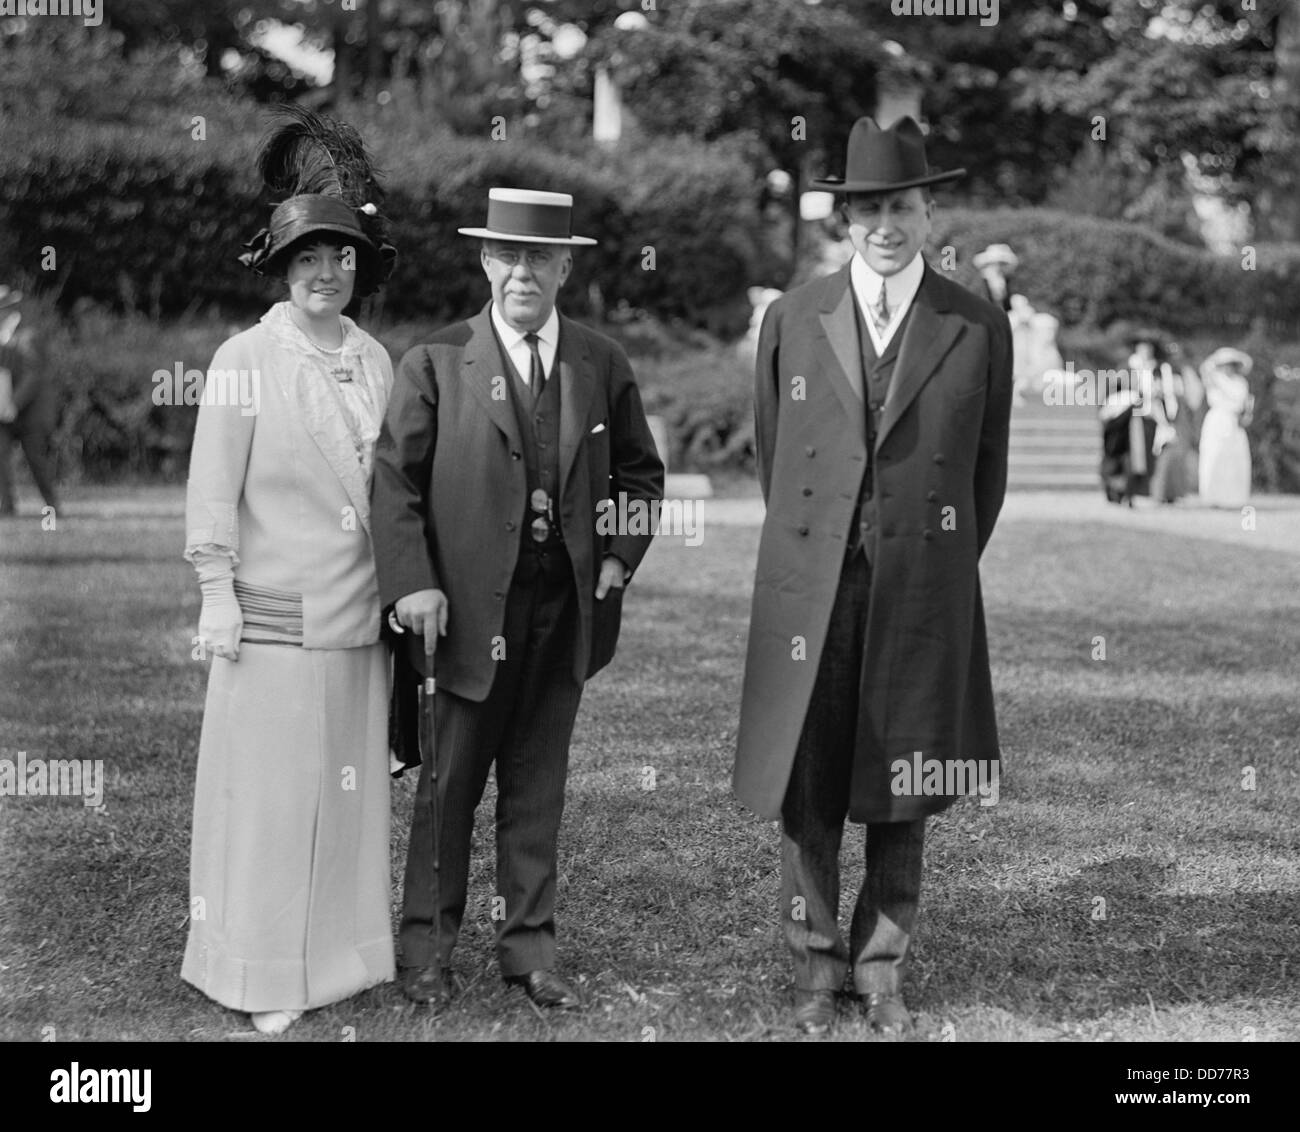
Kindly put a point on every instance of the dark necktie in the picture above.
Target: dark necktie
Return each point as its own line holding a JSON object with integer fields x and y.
{"x": 536, "y": 375}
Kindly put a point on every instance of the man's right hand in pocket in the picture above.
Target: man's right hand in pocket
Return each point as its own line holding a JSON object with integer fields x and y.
{"x": 423, "y": 612}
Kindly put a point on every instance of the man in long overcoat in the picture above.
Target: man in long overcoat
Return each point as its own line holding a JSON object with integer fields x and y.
{"x": 883, "y": 397}
{"x": 505, "y": 437}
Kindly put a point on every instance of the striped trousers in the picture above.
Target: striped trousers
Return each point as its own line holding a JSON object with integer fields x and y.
{"x": 812, "y": 827}
{"x": 523, "y": 727}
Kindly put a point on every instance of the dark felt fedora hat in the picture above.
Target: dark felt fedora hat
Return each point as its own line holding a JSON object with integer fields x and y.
{"x": 883, "y": 161}
{"x": 528, "y": 216}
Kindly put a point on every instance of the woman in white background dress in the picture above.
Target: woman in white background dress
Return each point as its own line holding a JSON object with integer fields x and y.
{"x": 1225, "y": 449}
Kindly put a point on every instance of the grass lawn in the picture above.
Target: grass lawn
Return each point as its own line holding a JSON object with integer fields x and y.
{"x": 1123, "y": 795}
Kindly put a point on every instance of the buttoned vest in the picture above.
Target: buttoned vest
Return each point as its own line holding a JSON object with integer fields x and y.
{"x": 877, "y": 372}
{"x": 539, "y": 433}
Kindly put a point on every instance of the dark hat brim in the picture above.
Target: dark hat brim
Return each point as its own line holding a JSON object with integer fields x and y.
{"x": 295, "y": 235}
{"x": 839, "y": 185}
{"x": 379, "y": 260}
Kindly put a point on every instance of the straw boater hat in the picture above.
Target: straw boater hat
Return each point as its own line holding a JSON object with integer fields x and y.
{"x": 320, "y": 169}
{"x": 1227, "y": 356}
{"x": 527, "y": 216}
{"x": 996, "y": 253}
{"x": 883, "y": 161}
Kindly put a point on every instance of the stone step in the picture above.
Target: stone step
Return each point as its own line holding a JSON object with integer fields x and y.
{"x": 1064, "y": 441}
{"x": 1074, "y": 425}
{"x": 1063, "y": 481}
{"x": 1050, "y": 459}
{"x": 1054, "y": 465}
{"x": 1043, "y": 456}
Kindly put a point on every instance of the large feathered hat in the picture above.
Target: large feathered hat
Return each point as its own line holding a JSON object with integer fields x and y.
{"x": 319, "y": 172}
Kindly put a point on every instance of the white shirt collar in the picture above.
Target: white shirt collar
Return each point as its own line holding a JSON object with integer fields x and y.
{"x": 901, "y": 287}
{"x": 900, "y": 290}
{"x": 549, "y": 334}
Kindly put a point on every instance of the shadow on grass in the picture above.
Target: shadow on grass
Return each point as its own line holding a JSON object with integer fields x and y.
{"x": 1105, "y": 941}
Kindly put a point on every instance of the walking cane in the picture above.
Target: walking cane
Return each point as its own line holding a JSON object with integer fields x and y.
{"x": 429, "y": 750}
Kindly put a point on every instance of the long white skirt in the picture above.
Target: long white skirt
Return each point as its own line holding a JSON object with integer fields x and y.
{"x": 289, "y": 867}
{"x": 1225, "y": 460}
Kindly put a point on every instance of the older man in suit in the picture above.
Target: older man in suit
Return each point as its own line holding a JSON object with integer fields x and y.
{"x": 505, "y": 436}
{"x": 883, "y": 397}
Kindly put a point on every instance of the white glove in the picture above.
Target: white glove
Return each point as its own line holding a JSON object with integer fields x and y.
{"x": 221, "y": 620}
{"x": 8, "y": 410}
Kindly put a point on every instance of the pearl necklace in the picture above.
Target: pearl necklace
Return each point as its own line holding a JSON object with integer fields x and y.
{"x": 340, "y": 373}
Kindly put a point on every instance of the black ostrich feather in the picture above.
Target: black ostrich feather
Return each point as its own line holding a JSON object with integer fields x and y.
{"x": 306, "y": 152}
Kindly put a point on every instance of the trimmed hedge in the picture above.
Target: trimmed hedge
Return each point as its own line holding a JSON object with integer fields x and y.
{"x": 1093, "y": 272}
{"x": 135, "y": 219}
{"x": 154, "y": 221}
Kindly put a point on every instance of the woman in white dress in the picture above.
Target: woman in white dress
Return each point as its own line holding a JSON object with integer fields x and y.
{"x": 289, "y": 878}
{"x": 1225, "y": 448}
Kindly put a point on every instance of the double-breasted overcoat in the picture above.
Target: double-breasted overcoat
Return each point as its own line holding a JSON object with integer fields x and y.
{"x": 939, "y": 480}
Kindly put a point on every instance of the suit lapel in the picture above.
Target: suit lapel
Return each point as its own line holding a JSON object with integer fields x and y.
{"x": 483, "y": 371}
{"x": 577, "y": 387}
{"x": 838, "y": 345}
{"x": 930, "y": 333}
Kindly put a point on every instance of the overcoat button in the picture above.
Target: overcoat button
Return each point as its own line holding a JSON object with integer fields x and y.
{"x": 803, "y": 530}
{"x": 927, "y": 534}
{"x": 932, "y": 496}
{"x": 498, "y": 595}
{"x": 510, "y": 526}
{"x": 811, "y": 450}
{"x": 875, "y": 406}
{"x": 514, "y": 455}
{"x": 938, "y": 457}
{"x": 807, "y": 491}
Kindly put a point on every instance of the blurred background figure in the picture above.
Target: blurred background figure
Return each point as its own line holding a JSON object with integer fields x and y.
{"x": 28, "y": 405}
{"x": 1022, "y": 345}
{"x": 995, "y": 263}
{"x": 760, "y": 298}
{"x": 1128, "y": 426}
{"x": 1033, "y": 345}
{"x": 1225, "y": 449}
{"x": 1176, "y": 397}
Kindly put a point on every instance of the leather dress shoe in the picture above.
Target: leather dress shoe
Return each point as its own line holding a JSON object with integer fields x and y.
{"x": 887, "y": 1015}
{"x": 814, "y": 1011}
{"x": 429, "y": 986}
{"x": 547, "y": 990}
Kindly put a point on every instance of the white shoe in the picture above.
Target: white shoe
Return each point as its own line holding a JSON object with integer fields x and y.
{"x": 275, "y": 1021}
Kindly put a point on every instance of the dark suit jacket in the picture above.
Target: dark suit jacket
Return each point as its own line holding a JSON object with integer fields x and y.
{"x": 450, "y": 487}
{"x": 941, "y": 470}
